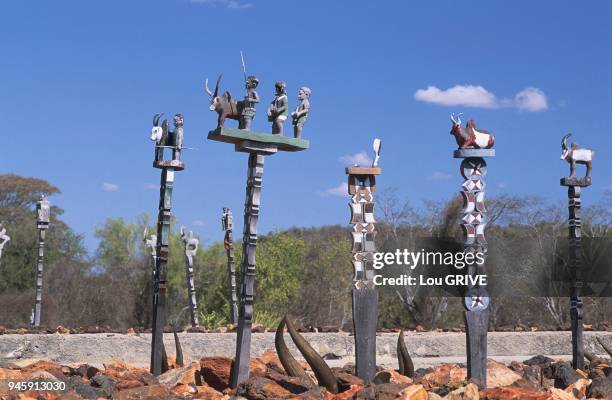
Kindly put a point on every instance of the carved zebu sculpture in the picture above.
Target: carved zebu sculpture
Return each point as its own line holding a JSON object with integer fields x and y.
{"x": 470, "y": 137}
{"x": 575, "y": 155}
{"x": 225, "y": 106}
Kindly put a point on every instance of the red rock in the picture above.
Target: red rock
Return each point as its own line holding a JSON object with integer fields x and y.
{"x": 130, "y": 331}
{"x": 184, "y": 390}
{"x": 208, "y": 393}
{"x": 444, "y": 374}
{"x": 391, "y": 376}
{"x": 216, "y": 371}
{"x": 189, "y": 374}
{"x": 62, "y": 330}
{"x": 258, "y": 328}
{"x": 257, "y": 387}
{"x": 128, "y": 384}
{"x": 271, "y": 359}
{"x": 513, "y": 393}
{"x": 419, "y": 328}
{"x": 257, "y": 367}
{"x": 347, "y": 394}
{"x": 413, "y": 392}
{"x": 499, "y": 375}
{"x": 155, "y": 392}
{"x": 469, "y": 392}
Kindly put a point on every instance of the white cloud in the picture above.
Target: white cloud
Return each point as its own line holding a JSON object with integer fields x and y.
{"x": 458, "y": 95}
{"x": 197, "y": 222}
{"x": 361, "y": 159}
{"x": 110, "y": 187}
{"x": 531, "y": 99}
{"x": 233, "y": 4}
{"x": 340, "y": 190}
{"x": 439, "y": 176}
{"x": 151, "y": 186}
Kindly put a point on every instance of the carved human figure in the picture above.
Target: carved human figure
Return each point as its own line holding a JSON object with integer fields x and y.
{"x": 3, "y": 238}
{"x": 177, "y": 136}
{"x": 300, "y": 115}
{"x": 250, "y": 100}
{"x": 43, "y": 210}
{"x": 278, "y": 110}
{"x": 191, "y": 245}
{"x": 163, "y": 137}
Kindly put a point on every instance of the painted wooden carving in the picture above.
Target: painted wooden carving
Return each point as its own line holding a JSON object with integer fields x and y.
{"x": 43, "y": 215}
{"x": 190, "y": 248}
{"x": 576, "y": 155}
{"x": 361, "y": 188}
{"x": 470, "y": 137}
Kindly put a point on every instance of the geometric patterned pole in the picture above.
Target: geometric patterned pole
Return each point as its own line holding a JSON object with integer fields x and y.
{"x": 227, "y": 223}
{"x": 473, "y": 223}
{"x": 190, "y": 244}
{"x": 240, "y": 372}
{"x": 42, "y": 219}
{"x": 164, "y": 139}
{"x": 361, "y": 186}
{"x": 576, "y": 311}
{"x": 574, "y": 154}
{"x": 257, "y": 145}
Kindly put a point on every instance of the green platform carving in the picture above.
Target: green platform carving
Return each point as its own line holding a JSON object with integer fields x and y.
{"x": 237, "y": 136}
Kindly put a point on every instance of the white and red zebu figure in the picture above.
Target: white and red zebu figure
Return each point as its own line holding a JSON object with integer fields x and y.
{"x": 470, "y": 137}
{"x": 575, "y": 155}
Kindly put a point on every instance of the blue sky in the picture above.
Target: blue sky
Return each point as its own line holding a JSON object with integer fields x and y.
{"x": 81, "y": 81}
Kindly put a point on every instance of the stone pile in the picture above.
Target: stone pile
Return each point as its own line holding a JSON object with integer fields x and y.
{"x": 539, "y": 378}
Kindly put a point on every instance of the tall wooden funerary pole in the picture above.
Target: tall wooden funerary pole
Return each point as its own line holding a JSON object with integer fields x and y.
{"x": 257, "y": 146}
{"x": 361, "y": 188}
{"x": 576, "y": 155}
{"x": 164, "y": 138}
{"x": 227, "y": 223}
{"x": 43, "y": 213}
{"x": 474, "y": 145}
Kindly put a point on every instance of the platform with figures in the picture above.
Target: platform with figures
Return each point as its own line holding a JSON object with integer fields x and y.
{"x": 239, "y": 136}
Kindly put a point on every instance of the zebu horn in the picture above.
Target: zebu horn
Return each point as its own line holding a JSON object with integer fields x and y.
{"x": 156, "y": 118}
{"x": 605, "y": 347}
{"x": 324, "y": 374}
{"x": 290, "y": 364}
{"x": 217, "y": 86}
{"x": 406, "y": 367}
{"x": 564, "y": 140}
{"x": 179, "y": 349}
{"x": 207, "y": 89}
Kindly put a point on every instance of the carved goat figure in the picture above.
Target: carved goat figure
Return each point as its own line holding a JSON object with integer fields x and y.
{"x": 163, "y": 137}
{"x": 225, "y": 106}
{"x": 470, "y": 137}
{"x": 575, "y": 155}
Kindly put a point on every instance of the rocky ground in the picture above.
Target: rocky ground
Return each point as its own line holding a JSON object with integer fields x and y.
{"x": 537, "y": 378}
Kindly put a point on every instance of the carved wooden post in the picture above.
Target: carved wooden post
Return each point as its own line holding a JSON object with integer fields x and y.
{"x": 4, "y": 238}
{"x": 150, "y": 242}
{"x": 473, "y": 222}
{"x": 257, "y": 145}
{"x": 43, "y": 212}
{"x": 227, "y": 223}
{"x": 190, "y": 249}
{"x": 172, "y": 140}
{"x": 361, "y": 186}
{"x": 574, "y": 186}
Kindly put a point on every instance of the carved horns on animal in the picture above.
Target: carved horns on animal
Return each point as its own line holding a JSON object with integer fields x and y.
{"x": 456, "y": 119}
{"x": 564, "y": 141}
{"x": 406, "y": 366}
{"x": 211, "y": 94}
{"x": 156, "y": 118}
{"x": 324, "y": 374}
